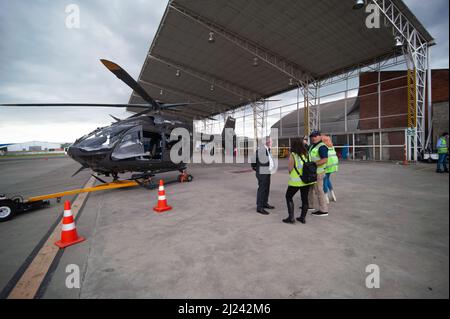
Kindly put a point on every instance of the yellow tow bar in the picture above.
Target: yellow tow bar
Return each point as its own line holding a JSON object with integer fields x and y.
{"x": 105, "y": 186}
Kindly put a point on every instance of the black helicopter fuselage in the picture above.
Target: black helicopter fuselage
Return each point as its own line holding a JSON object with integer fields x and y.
{"x": 139, "y": 144}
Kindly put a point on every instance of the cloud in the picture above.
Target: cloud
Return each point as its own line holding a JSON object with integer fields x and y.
{"x": 434, "y": 16}
{"x": 43, "y": 61}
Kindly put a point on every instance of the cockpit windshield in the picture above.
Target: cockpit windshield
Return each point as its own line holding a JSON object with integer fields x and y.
{"x": 103, "y": 138}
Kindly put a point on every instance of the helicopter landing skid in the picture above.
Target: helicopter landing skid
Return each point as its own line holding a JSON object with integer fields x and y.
{"x": 145, "y": 180}
{"x": 185, "y": 177}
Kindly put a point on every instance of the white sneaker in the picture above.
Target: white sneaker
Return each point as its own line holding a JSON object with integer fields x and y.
{"x": 333, "y": 196}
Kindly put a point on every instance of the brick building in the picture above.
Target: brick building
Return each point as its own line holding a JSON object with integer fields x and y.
{"x": 393, "y": 104}
{"x": 374, "y": 137}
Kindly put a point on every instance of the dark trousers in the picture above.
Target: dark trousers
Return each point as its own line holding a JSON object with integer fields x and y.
{"x": 290, "y": 193}
{"x": 262, "y": 196}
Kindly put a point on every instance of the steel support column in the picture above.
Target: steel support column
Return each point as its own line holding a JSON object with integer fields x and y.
{"x": 416, "y": 52}
{"x": 258, "y": 119}
{"x": 428, "y": 144}
{"x": 311, "y": 111}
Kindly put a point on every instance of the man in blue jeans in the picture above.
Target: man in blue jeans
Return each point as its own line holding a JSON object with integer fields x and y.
{"x": 442, "y": 147}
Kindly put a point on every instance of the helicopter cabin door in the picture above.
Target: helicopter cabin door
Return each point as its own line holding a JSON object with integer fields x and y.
{"x": 139, "y": 145}
{"x": 153, "y": 146}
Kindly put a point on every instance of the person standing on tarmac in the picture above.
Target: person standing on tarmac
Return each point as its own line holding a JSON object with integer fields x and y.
{"x": 442, "y": 147}
{"x": 263, "y": 165}
{"x": 298, "y": 156}
{"x": 332, "y": 167}
{"x": 318, "y": 153}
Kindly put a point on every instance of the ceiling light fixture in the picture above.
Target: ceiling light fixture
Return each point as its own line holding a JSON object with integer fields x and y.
{"x": 359, "y": 4}
{"x": 398, "y": 42}
{"x": 211, "y": 38}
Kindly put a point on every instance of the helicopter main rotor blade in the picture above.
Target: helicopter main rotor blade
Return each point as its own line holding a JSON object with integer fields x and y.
{"x": 148, "y": 108}
{"x": 115, "y": 118}
{"x": 166, "y": 110}
{"x": 169, "y": 105}
{"x": 128, "y": 80}
{"x": 78, "y": 105}
{"x": 140, "y": 113}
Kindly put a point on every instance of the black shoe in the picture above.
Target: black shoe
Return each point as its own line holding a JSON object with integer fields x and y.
{"x": 301, "y": 220}
{"x": 262, "y": 212}
{"x": 319, "y": 213}
{"x": 288, "y": 221}
{"x": 269, "y": 206}
{"x": 445, "y": 170}
{"x": 439, "y": 171}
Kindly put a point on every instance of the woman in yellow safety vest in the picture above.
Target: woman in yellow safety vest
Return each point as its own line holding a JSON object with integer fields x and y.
{"x": 442, "y": 147}
{"x": 297, "y": 156}
{"x": 331, "y": 167}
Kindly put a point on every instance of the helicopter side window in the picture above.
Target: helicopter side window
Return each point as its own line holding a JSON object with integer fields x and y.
{"x": 152, "y": 146}
{"x": 130, "y": 146}
{"x": 100, "y": 139}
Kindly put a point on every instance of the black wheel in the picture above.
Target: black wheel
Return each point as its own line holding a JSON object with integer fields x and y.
{"x": 150, "y": 185}
{"x": 190, "y": 178}
{"x": 7, "y": 210}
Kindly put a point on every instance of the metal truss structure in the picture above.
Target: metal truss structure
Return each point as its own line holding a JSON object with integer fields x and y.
{"x": 416, "y": 52}
{"x": 259, "y": 118}
{"x": 239, "y": 92}
{"x": 290, "y": 69}
{"x": 311, "y": 107}
{"x": 375, "y": 65}
{"x": 283, "y": 65}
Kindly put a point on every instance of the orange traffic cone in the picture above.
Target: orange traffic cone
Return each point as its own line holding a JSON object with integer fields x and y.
{"x": 162, "y": 202}
{"x": 69, "y": 234}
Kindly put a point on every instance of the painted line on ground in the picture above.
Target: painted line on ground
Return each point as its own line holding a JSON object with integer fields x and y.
{"x": 28, "y": 285}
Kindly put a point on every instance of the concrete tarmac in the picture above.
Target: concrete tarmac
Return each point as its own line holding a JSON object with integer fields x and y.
{"x": 32, "y": 177}
{"x": 213, "y": 244}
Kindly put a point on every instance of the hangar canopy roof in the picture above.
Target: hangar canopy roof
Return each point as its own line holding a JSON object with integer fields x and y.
{"x": 257, "y": 47}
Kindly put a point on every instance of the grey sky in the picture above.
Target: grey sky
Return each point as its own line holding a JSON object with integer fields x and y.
{"x": 43, "y": 61}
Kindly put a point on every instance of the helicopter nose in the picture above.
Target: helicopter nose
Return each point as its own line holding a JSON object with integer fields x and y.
{"x": 71, "y": 151}
{"x": 75, "y": 153}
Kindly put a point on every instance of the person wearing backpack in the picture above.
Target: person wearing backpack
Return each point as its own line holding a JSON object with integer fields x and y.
{"x": 318, "y": 153}
{"x": 298, "y": 180}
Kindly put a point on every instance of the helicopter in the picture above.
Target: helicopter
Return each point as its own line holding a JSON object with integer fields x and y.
{"x": 139, "y": 144}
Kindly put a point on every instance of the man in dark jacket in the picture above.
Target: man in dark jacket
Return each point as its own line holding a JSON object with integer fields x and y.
{"x": 263, "y": 165}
